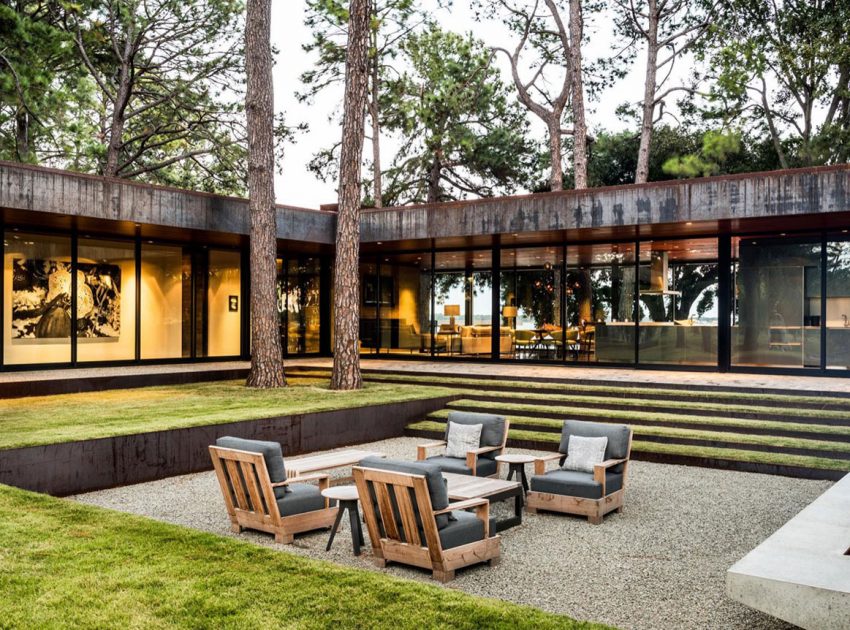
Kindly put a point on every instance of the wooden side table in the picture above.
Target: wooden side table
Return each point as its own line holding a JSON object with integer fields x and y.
{"x": 348, "y": 499}
{"x": 516, "y": 466}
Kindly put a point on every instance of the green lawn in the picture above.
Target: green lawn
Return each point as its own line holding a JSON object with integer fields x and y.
{"x": 70, "y": 565}
{"x": 65, "y": 418}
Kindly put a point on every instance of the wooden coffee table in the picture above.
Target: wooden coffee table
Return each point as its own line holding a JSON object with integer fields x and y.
{"x": 462, "y": 487}
{"x": 328, "y": 461}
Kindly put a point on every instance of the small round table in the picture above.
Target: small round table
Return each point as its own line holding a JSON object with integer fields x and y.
{"x": 516, "y": 463}
{"x": 348, "y": 499}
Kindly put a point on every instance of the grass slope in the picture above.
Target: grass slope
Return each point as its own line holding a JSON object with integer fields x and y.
{"x": 64, "y": 418}
{"x": 70, "y": 565}
{"x": 603, "y": 390}
{"x": 638, "y": 446}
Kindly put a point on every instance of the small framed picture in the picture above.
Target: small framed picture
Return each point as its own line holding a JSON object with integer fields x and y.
{"x": 233, "y": 303}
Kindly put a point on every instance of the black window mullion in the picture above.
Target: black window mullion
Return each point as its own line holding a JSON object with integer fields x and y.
{"x": 138, "y": 309}
{"x": 74, "y": 290}
{"x": 823, "y": 296}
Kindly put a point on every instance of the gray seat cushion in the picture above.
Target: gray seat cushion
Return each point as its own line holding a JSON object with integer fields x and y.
{"x": 573, "y": 483}
{"x": 492, "y": 429}
{"x": 271, "y": 453}
{"x": 302, "y": 497}
{"x": 617, "y": 434}
{"x": 484, "y": 467}
{"x": 464, "y": 529}
{"x": 433, "y": 477}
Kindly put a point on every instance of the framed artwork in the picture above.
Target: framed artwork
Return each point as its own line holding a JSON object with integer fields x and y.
{"x": 41, "y": 299}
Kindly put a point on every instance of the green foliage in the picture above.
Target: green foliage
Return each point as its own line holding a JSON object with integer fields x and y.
{"x": 782, "y": 69}
{"x": 71, "y": 565}
{"x": 717, "y": 148}
{"x": 461, "y": 131}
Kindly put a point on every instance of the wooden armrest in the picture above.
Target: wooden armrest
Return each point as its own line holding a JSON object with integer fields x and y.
{"x": 422, "y": 449}
{"x": 472, "y": 455}
{"x": 599, "y": 471}
{"x": 462, "y": 505}
{"x": 482, "y": 511}
{"x": 540, "y": 462}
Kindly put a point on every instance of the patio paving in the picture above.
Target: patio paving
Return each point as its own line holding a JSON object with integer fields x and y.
{"x": 659, "y": 564}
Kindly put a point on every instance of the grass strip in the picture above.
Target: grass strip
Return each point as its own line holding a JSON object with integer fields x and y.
{"x": 71, "y": 565}
{"x": 708, "y": 452}
{"x": 53, "y": 419}
{"x": 628, "y": 416}
{"x": 521, "y": 422}
{"x": 607, "y": 390}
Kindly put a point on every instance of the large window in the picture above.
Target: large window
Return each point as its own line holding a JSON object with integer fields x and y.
{"x": 531, "y": 304}
{"x": 37, "y": 300}
{"x": 224, "y": 303}
{"x": 837, "y": 301}
{"x": 166, "y": 291}
{"x": 106, "y": 300}
{"x": 600, "y": 298}
{"x": 463, "y": 303}
{"x": 299, "y": 292}
{"x": 678, "y": 302}
{"x": 776, "y": 301}
{"x": 400, "y": 294}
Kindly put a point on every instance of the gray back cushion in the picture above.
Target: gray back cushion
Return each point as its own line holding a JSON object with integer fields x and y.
{"x": 437, "y": 489}
{"x": 270, "y": 450}
{"x": 617, "y": 434}
{"x": 492, "y": 429}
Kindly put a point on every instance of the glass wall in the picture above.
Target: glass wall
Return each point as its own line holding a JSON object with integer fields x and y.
{"x": 530, "y": 300}
{"x": 463, "y": 303}
{"x": 404, "y": 303}
{"x": 223, "y": 303}
{"x": 166, "y": 301}
{"x": 37, "y": 298}
{"x": 600, "y": 299}
{"x": 299, "y": 292}
{"x": 678, "y": 302}
{"x": 776, "y": 301}
{"x": 106, "y": 300}
{"x": 837, "y": 301}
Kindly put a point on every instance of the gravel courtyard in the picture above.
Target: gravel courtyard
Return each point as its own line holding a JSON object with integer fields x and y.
{"x": 659, "y": 564}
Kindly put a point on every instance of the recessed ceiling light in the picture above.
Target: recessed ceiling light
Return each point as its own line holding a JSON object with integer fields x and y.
{"x": 689, "y": 222}
{"x": 380, "y": 243}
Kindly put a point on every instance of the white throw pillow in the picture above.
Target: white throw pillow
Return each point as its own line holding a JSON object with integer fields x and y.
{"x": 585, "y": 452}
{"x": 462, "y": 438}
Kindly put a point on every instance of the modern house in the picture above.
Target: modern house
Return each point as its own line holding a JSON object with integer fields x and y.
{"x": 747, "y": 272}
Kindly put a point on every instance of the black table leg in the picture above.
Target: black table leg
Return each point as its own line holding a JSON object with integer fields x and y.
{"x": 356, "y": 530}
{"x": 335, "y": 527}
{"x": 523, "y": 478}
{"x": 518, "y": 501}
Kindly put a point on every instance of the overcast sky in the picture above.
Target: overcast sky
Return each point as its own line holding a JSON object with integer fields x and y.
{"x": 297, "y": 186}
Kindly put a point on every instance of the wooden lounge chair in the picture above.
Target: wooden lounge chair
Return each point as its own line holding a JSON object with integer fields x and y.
{"x": 480, "y": 462}
{"x": 407, "y": 513}
{"x": 587, "y": 494}
{"x": 258, "y": 494}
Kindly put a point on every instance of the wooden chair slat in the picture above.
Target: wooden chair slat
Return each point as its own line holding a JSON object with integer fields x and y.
{"x": 408, "y": 517}
{"x": 249, "y": 473}
{"x": 386, "y": 508}
{"x": 236, "y": 482}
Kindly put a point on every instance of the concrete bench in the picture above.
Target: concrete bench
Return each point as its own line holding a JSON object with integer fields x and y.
{"x": 801, "y": 574}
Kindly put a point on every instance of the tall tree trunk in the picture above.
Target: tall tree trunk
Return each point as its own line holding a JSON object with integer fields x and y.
{"x": 346, "y": 368}
{"x": 642, "y": 171}
{"x": 22, "y": 135}
{"x": 374, "y": 113}
{"x": 266, "y": 356}
{"x": 122, "y": 98}
{"x": 434, "y": 180}
{"x": 579, "y": 123}
{"x": 556, "y": 169}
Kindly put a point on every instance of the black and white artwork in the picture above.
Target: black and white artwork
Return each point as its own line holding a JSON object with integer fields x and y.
{"x": 41, "y": 299}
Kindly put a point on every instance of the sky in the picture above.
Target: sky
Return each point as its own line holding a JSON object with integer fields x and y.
{"x": 297, "y": 186}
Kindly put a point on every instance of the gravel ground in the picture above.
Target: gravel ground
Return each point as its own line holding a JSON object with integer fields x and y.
{"x": 659, "y": 564}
